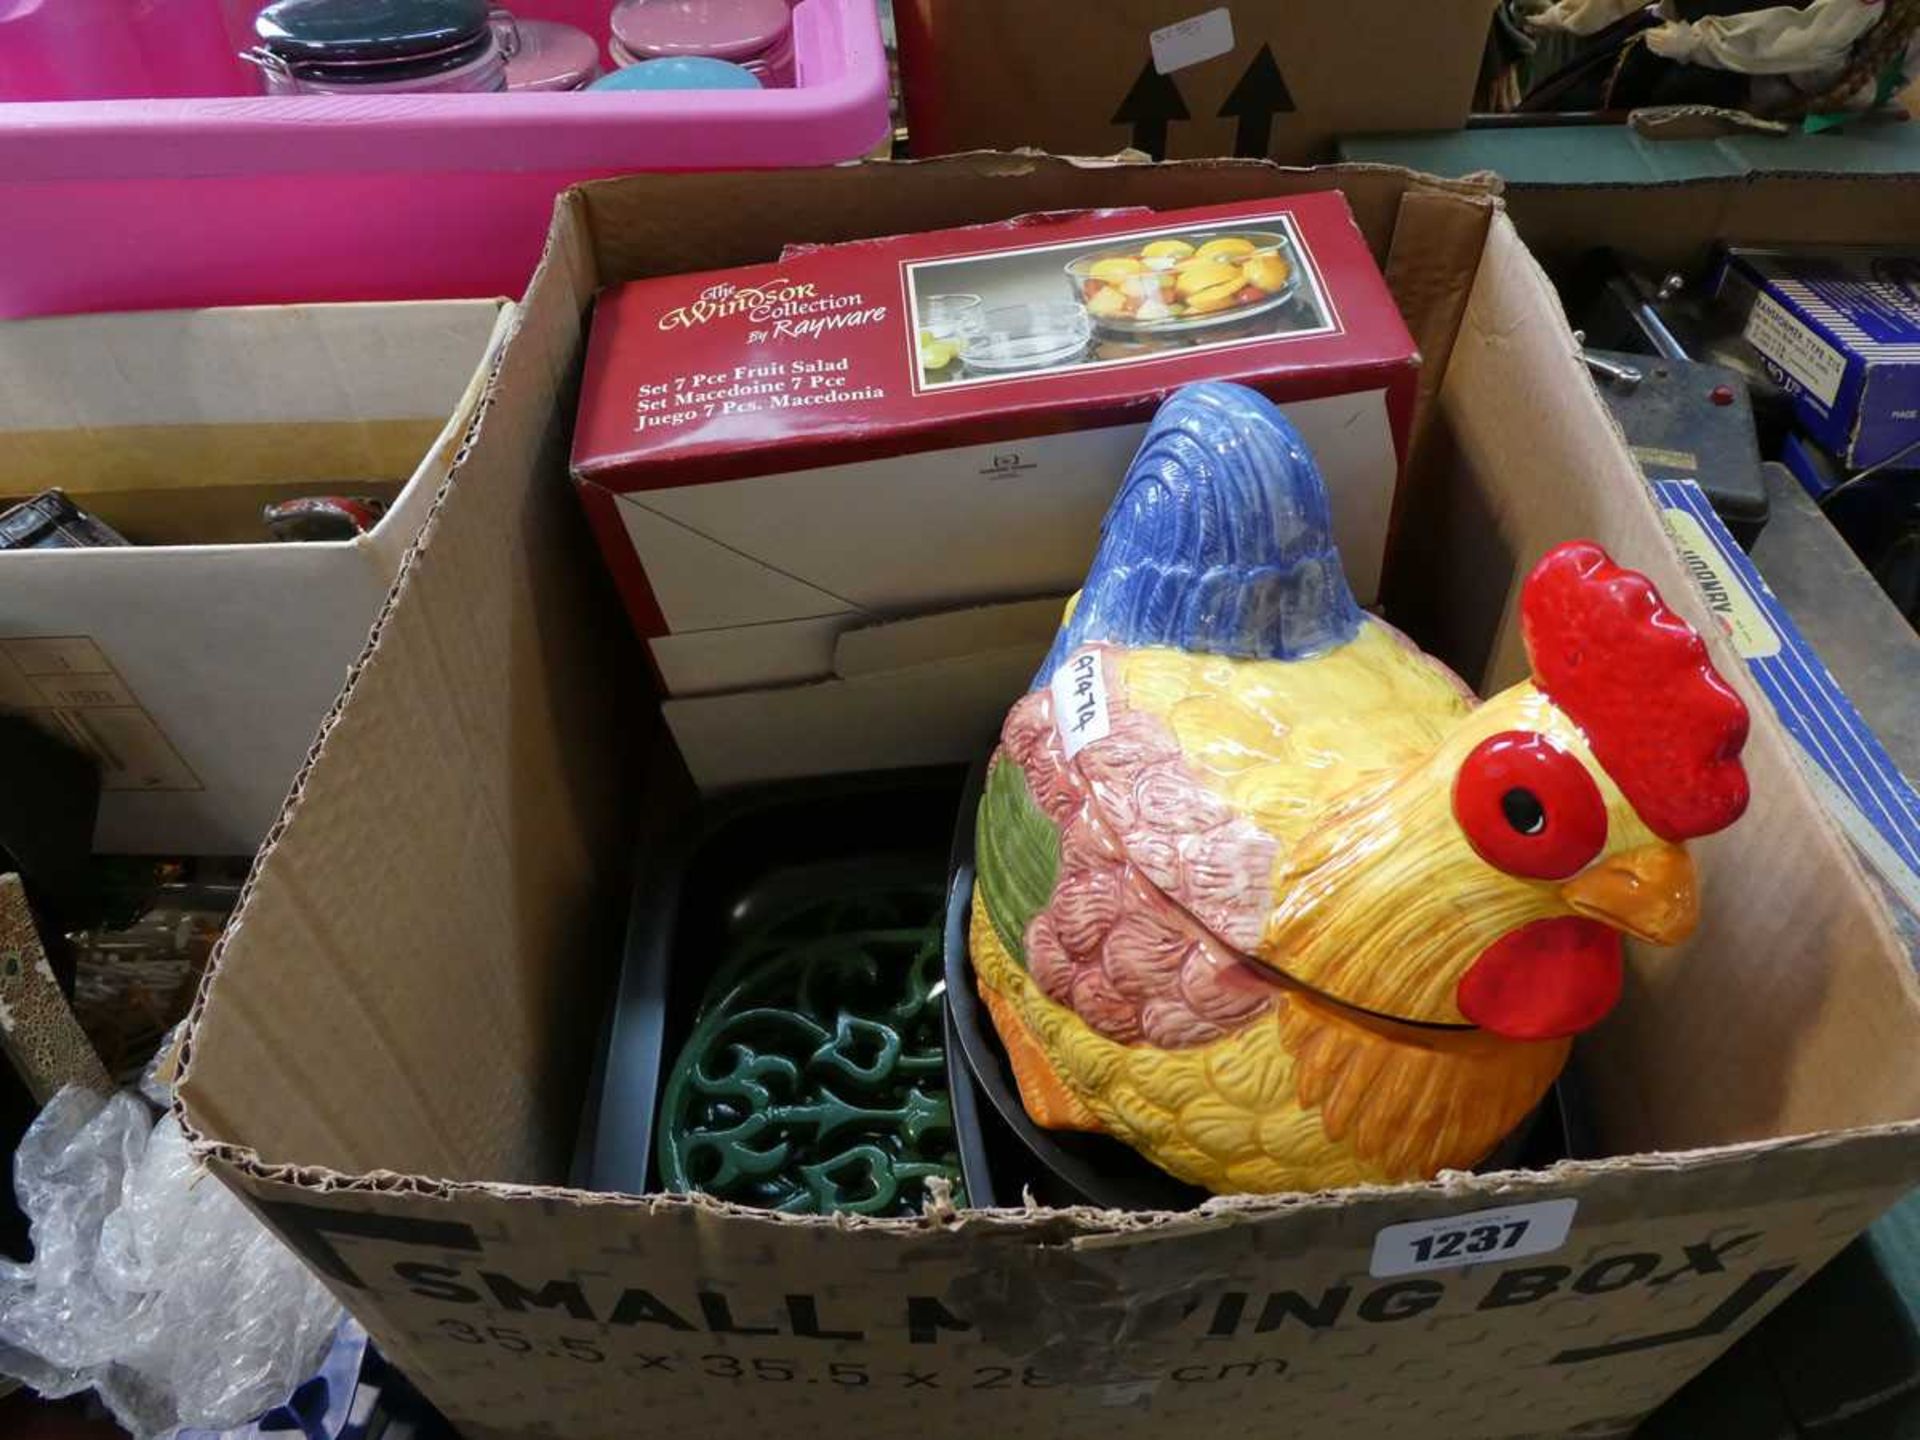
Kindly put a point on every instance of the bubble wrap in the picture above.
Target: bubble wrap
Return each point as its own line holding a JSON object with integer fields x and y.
{"x": 150, "y": 1282}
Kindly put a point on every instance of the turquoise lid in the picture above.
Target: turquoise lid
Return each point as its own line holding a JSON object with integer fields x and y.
{"x": 679, "y": 72}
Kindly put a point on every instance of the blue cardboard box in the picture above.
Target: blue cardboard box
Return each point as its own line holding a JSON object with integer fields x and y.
{"x": 1840, "y": 329}
{"x": 1850, "y": 769}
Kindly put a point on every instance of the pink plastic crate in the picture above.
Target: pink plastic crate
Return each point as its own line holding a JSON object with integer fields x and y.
{"x": 110, "y": 203}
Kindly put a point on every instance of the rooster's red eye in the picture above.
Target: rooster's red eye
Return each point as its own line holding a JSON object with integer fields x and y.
{"x": 1528, "y": 807}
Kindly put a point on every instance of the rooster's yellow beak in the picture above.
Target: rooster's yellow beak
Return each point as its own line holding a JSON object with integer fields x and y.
{"x": 1649, "y": 893}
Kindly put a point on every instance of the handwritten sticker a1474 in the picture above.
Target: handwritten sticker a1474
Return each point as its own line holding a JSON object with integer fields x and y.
{"x": 1080, "y": 702}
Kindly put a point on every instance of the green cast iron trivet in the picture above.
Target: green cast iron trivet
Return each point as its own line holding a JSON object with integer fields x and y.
{"x": 814, "y": 1079}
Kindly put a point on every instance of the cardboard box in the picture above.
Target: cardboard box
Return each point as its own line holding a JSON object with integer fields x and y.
{"x": 1179, "y": 79}
{"x": 389, "y": 1059}
{"x": 1668, "y": 222}
{"x": 1840, "y": 331}
{"x": 195, "y": 664}
{"x": 766, "y": 452}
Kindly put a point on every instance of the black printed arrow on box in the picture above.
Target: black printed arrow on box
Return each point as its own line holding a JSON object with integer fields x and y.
{"x": 1716, "y": 1321}
{"x": 1258, "y": 96}
{"x": 1151, "y": 105}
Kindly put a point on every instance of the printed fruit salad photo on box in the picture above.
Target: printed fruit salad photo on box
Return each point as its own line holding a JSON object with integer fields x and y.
{"x": 1127, "y": 298}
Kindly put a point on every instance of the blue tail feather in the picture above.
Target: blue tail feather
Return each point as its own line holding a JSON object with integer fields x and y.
{"x": 1218, "y": 540}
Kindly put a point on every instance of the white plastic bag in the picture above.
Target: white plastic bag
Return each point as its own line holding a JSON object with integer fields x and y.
{"x": 149, "y": 1281}
{"x": 1578, "y": 17}
{"x": 1814, "y": 38}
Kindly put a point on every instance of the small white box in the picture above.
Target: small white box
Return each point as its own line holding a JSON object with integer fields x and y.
{"x": 929, "y": 690}
{"x": 737, "y": 620}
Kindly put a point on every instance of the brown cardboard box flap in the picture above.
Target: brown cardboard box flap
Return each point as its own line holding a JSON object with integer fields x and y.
{"x": 1796, "y": 1046}
{"x": 1780, "y": 208}
{"x": 590, "y": 1315}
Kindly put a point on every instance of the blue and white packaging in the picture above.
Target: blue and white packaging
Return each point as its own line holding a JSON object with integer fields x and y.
{"x": 1840, "y": 330}
{"x": 1873, "y": 803}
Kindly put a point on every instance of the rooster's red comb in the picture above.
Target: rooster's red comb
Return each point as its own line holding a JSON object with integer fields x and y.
{"x": 1637, "y": 681}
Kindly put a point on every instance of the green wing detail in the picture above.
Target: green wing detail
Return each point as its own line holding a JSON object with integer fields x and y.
{"x": 1016, "y": 854}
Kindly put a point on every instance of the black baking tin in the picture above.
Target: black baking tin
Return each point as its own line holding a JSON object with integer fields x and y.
{"x": 708, "y": 867}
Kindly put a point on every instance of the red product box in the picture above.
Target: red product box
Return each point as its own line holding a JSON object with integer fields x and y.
{"x": 774, "y": 455}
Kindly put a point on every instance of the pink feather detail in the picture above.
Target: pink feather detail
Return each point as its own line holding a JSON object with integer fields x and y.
{"x": 1144, "y": 952}
{"x": 1221, "y": 872}
{"x": 1157, "y": 855}
{"x": 1219, "y": 986}
{"x": 1167, "y": 799}
{"x": 1047, "y": 958}
{"x": 1086, "y": 902}
{"x": 1103, "y": 1007}
{"x": 1159, "y": 882}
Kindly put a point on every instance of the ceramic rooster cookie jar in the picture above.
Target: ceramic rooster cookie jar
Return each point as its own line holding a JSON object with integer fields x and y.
{"x": 1262, "y": 889}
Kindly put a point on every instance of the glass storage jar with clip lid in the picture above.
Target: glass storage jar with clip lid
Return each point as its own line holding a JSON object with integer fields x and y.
{"x": 360, "y": 47}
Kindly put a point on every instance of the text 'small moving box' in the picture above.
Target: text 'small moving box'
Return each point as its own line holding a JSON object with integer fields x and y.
{"x": 194, "y": 664}
{"x": 390, "y": 1057}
